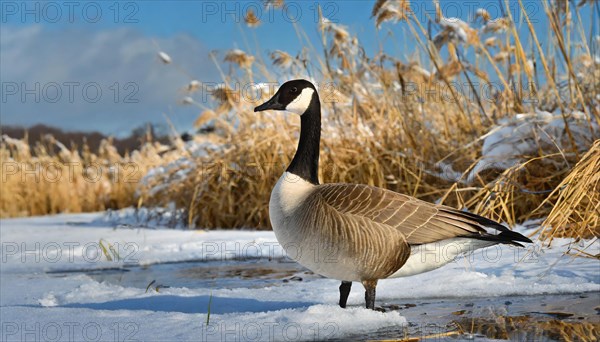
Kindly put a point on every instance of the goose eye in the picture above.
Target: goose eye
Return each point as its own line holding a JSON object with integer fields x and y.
{"x": 294, "y": 89}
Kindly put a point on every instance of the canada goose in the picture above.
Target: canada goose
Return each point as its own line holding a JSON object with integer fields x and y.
{"x": 355, "y": 232}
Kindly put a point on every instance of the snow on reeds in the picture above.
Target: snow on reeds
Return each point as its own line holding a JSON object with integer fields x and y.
{"x": 397, "y": 122}
{"x": 516, "y": 139}
{"x": 501, "y": 156}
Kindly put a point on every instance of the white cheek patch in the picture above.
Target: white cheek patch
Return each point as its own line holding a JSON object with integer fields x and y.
{"x": 301, "y": 102}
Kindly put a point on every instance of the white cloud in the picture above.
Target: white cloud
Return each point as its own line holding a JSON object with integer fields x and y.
{"x": 49, "y": 59}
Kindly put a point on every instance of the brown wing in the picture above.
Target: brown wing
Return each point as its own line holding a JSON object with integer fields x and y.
{"x": 419, "y": 221}
{"x": 374, "y": 250}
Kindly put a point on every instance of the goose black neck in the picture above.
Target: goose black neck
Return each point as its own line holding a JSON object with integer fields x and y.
{"x": 306, "y": 161}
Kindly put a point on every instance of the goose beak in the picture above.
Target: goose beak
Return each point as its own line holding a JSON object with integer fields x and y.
{"x": 273, "y": 103}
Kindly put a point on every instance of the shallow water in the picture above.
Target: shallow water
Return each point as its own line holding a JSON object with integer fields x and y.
{"x": 247, "y": 273}
{"x": 431, "y": 318}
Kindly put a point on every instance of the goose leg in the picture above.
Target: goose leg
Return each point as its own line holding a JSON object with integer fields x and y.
{"x": 370, "y": 293}
{"x": 344, "y": 292}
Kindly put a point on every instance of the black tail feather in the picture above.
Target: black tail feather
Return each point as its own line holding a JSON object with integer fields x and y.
{"x": 502, "y": 238}
{"x": 506, "y": 235}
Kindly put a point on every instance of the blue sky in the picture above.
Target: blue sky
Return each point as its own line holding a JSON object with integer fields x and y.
{"x": 92, "y": 65}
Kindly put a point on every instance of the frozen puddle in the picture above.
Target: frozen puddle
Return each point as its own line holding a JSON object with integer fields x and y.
{"x": 247, "y": 273}
{"x": 454, "y": 319}
{"x": 497, "y": 317}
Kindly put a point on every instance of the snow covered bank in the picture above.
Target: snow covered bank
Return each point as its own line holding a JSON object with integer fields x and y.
{"x": 37, "y": 304}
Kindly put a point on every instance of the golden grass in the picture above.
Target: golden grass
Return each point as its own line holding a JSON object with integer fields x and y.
{"x": 378, "y": 134}
{"x": 512, "y": 328}
{"x": 50, "y": 179}
{"x": 575, "y": 202}
{"x": 526, "y": 328}
{"x": 398, "y": 123}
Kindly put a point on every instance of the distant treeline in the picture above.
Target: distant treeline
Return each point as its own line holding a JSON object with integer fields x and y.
{"x": 77, "y": 139}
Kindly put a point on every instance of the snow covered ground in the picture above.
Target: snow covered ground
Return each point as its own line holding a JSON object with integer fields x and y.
{"x": 48, "y": 291}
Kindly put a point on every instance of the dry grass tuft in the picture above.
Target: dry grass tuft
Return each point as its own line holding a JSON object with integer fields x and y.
{"x": 274, "y": 3}
{"x": 385, "y": 10}
{"x": 50, "y": 178}
{"x": 240, "y": 58}
{"x": 526, "y": 328}
{"x": 575, "y": 202}
{"x": 251, "y": 19}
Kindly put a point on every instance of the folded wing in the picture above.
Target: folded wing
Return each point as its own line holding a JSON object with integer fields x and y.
{"x": 419, "y": 221}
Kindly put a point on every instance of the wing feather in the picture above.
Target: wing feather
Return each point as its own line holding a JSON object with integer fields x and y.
{"x": 419, "y": 221}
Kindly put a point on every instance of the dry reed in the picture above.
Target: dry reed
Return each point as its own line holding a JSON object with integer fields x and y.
{"x": 381, "y": 128}
{"x": 527, "y": 328}
{"x": 398, "y": 123}
{"x": 50, "y": 178}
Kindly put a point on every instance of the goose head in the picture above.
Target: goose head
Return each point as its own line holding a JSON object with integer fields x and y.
{"x": 296, "y": 96}
{"x": 300, "y": 97}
